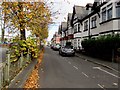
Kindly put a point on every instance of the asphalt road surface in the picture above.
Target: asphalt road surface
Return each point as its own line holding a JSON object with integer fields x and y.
{"x": 73, "y": 72}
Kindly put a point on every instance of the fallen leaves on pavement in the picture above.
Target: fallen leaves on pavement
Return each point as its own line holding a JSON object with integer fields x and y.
{"x": 32, "y": 81}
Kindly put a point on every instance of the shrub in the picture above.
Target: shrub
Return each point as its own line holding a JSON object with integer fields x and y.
{"x": 28, "y": 46}
{"x": 102, "y": 46}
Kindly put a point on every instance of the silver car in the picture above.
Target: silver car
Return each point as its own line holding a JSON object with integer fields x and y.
{"x": 67, "y": 50}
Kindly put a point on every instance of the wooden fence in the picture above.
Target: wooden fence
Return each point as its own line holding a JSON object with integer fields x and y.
{"x": 8, "y": 69}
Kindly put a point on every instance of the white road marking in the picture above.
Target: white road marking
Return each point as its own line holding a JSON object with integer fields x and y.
{"x": 96, "y": 67}
{"x": 106, "y": 72}
{"x": 85, "y": 59}
{"x": 69, "y": 62}
{"x": 75, "y": 67}
{"x": 101, "y": 86}
{"x": 85, "y": 74}
{"x": 115, "y": 84}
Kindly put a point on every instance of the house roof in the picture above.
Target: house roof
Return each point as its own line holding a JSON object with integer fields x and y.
{"x": 64, "y": 26}
{"x": 69, "y": 19}
{"x": 59, "y": 29}
{"x": 96, "y": 8}
{"x": 69, "y": 16}
{"x": 80, "y": 11}
{"x": 89, "y": 5}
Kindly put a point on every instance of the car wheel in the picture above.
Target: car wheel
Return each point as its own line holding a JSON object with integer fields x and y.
{"x": 59, "y": 53}
{"x": 73, "y": 54}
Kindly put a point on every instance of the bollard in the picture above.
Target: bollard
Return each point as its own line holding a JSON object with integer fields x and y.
{"x": 28, "y": 55}
{"x": 21, "y": 60}
{"x": 2, "y": 80}
{"x": 7, "y": 66}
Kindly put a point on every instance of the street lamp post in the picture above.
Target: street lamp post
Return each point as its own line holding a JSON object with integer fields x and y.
{"x": 0, "y": 17}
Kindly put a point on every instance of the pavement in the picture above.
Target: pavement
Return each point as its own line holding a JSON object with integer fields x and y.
{"x": 20, "y": 79}
{"x": 70, "y": 72}
{"x": 111, "y": 65}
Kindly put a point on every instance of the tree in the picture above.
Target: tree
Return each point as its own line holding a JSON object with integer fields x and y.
{"x": 33, "y": 16}
{"x": 39, "y": 25}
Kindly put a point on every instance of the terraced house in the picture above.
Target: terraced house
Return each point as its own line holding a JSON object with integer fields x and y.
{"x": 78, "y": 14}
{"x": 62, "y": 31}
{"x": 70, "y": 33}
{"x": 56, "y": 39}
{"x": 90, "y": 21}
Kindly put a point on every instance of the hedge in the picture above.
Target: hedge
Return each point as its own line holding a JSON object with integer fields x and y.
{"x": 102, "y": 46}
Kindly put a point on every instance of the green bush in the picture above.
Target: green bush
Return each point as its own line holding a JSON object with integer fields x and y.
{"x": 102, "y": 46}
{"x": 28, "y": 46}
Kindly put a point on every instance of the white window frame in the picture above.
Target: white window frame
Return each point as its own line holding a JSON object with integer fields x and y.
{"x": 75, "y": 28}
{"x": 117, "y": 6}
{"x": 109, "y": 7}
{"x": 104, "y": 12}
{"x": 86, "y": 25}
{"x": 94, "y": 22}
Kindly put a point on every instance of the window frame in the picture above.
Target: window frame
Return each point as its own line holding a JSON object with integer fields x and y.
{"x": 117, "y": 13}
{"x": 104, "y": 14}
{"x": 75, "y": 28}
{"x": 109, "y": 8}
{"x": 86, "y": 25}
{"x": 108, "y": 13}
{"x": 78, "y": 27}
{"x": 94, "y": 22}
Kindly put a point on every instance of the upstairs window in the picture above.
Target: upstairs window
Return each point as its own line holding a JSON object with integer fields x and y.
{"x": 75, "y": 28}
{"x": 78, "y": 27}
{"x": 86, "y": 25}
{"x": 104, "y": 14}
{"x": 109, "y": 11}
{"x": 117, "y": 9}
{"x": 93, "y": 22}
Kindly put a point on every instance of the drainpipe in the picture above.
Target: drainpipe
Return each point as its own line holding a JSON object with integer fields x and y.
{"x": 89, "y": 29}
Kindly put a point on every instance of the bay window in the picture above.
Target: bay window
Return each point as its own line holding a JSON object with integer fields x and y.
{"x": 104, "y": 14}
{"x": 109, "y": 13}
{"x": 93, "y": 22}
{"x": 86, "y": 25}
{"x": 118, "y": 11}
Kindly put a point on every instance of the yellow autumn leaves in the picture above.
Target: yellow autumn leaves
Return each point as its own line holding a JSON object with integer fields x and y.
{"x": 33, "y": 16}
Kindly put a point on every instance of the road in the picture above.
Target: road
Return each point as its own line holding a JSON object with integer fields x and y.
{"x": 73, "y": 72}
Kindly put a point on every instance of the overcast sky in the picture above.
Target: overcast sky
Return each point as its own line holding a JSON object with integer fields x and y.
{"x": 64, "y": 7}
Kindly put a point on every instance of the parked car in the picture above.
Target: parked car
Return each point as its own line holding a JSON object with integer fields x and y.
{"x": 51, "y": 46}
{"x": 67, "y": 50}
{"x": 56, "y": 47}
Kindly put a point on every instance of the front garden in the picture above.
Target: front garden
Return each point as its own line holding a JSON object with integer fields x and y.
{"x": 106, "y": 47}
